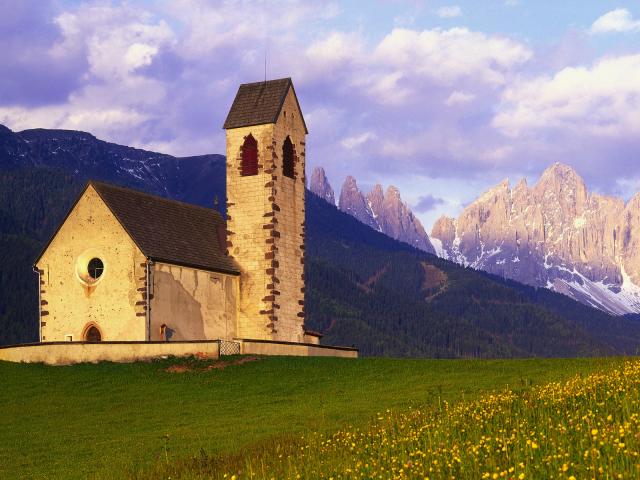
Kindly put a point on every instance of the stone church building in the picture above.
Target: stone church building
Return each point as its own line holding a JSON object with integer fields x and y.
{"x": 128, "y": 266}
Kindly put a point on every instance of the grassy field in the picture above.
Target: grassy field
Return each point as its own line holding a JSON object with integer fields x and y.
{"x": 114, "y": 420}
{"x": 585, "y": 427}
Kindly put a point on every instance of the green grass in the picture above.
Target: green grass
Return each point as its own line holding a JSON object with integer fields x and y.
{"x": 586, "y": 427}
{"x": 104, "y": 420}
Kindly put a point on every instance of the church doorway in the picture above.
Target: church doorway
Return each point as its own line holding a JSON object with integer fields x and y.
{"x": 92, "y": 334}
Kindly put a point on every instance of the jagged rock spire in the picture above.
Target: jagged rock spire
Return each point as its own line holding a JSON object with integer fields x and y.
{"x": 320, "y": 185}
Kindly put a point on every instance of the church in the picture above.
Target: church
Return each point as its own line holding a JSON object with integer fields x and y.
{"x": 128, "y": 266}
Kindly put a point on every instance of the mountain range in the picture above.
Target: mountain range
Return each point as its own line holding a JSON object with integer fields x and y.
{"x": 380, "y": 210}
{"x": 85, "y": 156}
{"x": 555, "y": 234}
{"x": 363, "y": 287}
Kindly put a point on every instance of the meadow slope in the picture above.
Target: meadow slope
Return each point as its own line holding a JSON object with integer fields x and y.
{"x": 117, "y": 420}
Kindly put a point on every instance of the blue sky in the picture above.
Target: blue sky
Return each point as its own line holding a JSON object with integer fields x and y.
{"x": 441, "y": 99}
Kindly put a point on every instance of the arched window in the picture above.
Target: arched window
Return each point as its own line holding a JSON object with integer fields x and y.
{"x": 287, "y": 158}
{"x": 92, "y": 334}
{"x": 249, "y": 161}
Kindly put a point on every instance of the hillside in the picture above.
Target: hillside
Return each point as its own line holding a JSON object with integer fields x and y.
{"x": 59, "y": 422}
{"x": 368, "y": 289}
{"x": 363, "y": 287}
{"x": 86, "y": 157}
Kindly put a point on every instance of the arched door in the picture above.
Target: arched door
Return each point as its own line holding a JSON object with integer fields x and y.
{"x": 93, "y": 334}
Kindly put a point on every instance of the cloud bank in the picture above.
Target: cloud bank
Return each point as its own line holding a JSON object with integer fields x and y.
{"x": 437, "y": 101}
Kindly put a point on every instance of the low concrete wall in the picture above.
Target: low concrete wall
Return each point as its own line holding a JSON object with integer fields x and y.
{"x": 66, "y": 353}
{"x": 268, "y": 347}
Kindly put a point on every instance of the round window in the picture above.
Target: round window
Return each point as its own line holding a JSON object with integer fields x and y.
{"x": 95, "y": 268}
{"x": 90, "y": 267}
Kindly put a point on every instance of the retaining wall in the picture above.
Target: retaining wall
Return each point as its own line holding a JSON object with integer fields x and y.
{"x": 66, "y": 353}
{"x": 268, "y": 347}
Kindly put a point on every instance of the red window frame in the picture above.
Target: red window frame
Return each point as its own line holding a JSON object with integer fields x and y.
{"x": 249, "y": 158}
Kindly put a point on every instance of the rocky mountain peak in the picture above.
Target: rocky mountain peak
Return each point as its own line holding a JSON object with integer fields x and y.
{"x": 559, "y": 171}
{"x": 385, "y": 212}
{"x": 560, "y": 175}
{"x": 501, "y": 190}
{"x": 393, "y": 193}
{"x": 320, "y": 185}
{"x": 521, "y": 186}
{"x": 353, "y": 202}
{"x": 634, "y": 202}
{"x": 376, "y": 199}
{"x": 555, "y": 235}
{"x": 376, "y": 194}
{"x": 444, "y": 229}
{"x": 560, "y": 184}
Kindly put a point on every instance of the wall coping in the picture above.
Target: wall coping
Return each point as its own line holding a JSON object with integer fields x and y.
{"x": 113, "y": 342}
{"x": 155, "y": 342}
{"x": 278, "y": 342}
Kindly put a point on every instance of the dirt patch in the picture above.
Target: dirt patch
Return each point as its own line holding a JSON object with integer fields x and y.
{"x": 368, "y": 285}
{"x": 433, "y": 276}
{"x": 178, "y": 369}
{"x": 221, "y": 365}
{"x": 204, "y": 356}
{"x": 208, "y": 366}
{"x": 434, "y": 281}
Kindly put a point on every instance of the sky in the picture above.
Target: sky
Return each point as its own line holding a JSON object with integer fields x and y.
{"x": 441, "y": 99}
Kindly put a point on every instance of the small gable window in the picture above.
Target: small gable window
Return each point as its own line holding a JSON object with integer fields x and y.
{"x": 287, "y": 158}
{"x": 249, "y": 159}
{"x": 95, "y": 268}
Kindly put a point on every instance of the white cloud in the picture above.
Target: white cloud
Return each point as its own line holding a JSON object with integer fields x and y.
{"x": 459, "y": 97}
{"x": 115, "y": 97}
{"x": 116, "y": 40}
{"x": 498, "y": 154}
{"x": 406, "y": 62}
{"x": 386, "y": 88}
{"x": 445, "y": 56}
{"x": 163, "y": 78}
{"x": 618, "y": 20}
{"x": 356, "y": 141}
{"x": 210, "y": 27}
{"x": 336, "y": 49}
{"x": 449, "y": 11}
{"x": 95, "y": 120}
{"x": 140, "y": 55}
{"x": 602, "y": 100}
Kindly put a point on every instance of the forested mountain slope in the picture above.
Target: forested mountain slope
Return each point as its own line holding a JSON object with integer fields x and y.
{"x": 364, "y": 288}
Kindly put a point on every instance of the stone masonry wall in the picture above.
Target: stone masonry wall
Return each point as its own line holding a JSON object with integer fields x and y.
{"x": 250, "y": 235}
{"x": 193, "y": 304}
{"x": 265, "y": 229}
{"x": 116, "y": 303}
{"x": 290, "y": 219}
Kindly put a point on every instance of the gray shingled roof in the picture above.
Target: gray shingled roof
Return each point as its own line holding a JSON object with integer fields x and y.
{"x": 169, "y": 231}
{"x": 259, "y": 103}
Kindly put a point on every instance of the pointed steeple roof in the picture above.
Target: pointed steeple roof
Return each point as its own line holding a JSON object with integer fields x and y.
{"x": 260, "y": 103}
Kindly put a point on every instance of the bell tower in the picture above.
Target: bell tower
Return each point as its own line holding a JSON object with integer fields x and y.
{"x": 266, "y": 136}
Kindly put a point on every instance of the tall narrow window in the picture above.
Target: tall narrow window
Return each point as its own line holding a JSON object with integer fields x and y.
{"x": 287, "y": 158}
{"x": 249, "y": 161}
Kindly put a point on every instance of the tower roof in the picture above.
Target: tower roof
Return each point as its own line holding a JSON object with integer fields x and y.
{"x": 260, "y": 103}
